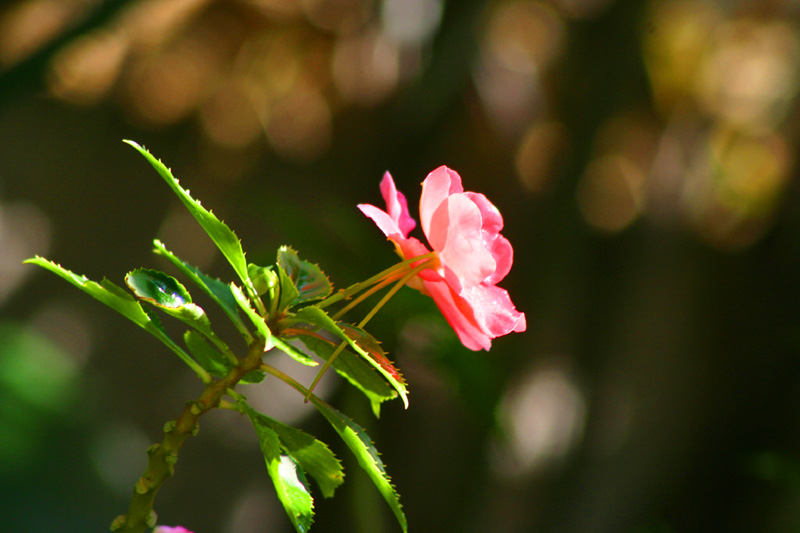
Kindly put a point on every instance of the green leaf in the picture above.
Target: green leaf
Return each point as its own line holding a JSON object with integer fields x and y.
{"x": 288, "y": 290}
{"x": 373, "y": 347}
{"x": 295, "y": 353}
{"x": 214, "y": 361}
{"x": 262, "y": 328}
{"x": 159, "y": 288}
{"x": 167, "y": 293}
{"x": 116, "y": 298}
{"x": 257, "y": 320}
{"x": 317, "y": 317}
{"x": 254, "y": 376}
{"x": 206, "y": 355}
{"x": 289, "y": 479}
{"x": 225, "y": 239}
{"x": 310, "y": 281}
{"x": 354, "y": 369}
{"x": 312, "y": 455}
{"x": 220, "y": 292}
{"x": 368, "y": 457}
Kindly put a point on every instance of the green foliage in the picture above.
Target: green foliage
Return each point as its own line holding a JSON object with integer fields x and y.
{"x": 354, "y": 369}
{"x": 122, "y": 302}
{"x": 317, "y": 317}
{"x": 220, "y": 292}
{"x": 311, "y": 455}
{"x": 258, "y": 321}
{"x": 309, "y": 281}
{"x": 289, "y": 288}
{"x": 289, "y": 480}
{"x": 166, "y": 293}
{"x": 213, "y": 361}
{"x": 227, "y": 241}
{"x": 367, "y": 455}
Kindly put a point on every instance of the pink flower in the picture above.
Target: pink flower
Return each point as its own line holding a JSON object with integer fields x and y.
{"x": 463, "y": 228}
{"x": 168, "y": 529}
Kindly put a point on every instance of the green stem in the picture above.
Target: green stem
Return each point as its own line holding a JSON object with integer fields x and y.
{"x": 386, "y": 297}
{"x": 256, "y": 298}
{"x": 363, "y": 296}
{"x": 163, "y": 456}
{"x": 357, "y": 287}
{"x": 285, "y": 378}
{"x": 325, "y": 367}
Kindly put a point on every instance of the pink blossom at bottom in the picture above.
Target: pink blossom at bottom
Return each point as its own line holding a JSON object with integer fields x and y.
{"x": 168, "y": 529}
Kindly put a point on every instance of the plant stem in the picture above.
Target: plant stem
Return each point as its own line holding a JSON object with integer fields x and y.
{"x": 285, "y": 378}
{"x": 366, "y": 294}
{"x": 428, "y": 263}
{"x": 391, "y": 292}
{"x": 163, "y": 456}
{"x": 353, "y": 289}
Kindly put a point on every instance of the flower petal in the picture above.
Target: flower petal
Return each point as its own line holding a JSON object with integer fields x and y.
{"x": 494, "y": 311}
{"x": 456, "y": 234}
{"x": 397, "y": 205}
{"x": 492, "y": 219}
{"x": 459, "y": 315}
{"x": 382, "y": 219}
{"x": 503, "y": 255}
{"x": 438, "y": 185}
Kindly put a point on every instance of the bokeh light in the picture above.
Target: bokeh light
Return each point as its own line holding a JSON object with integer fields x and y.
{"x": 542, "y": 418}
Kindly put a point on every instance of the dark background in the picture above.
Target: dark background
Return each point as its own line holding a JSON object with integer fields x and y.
{"x": 643, "y": 155}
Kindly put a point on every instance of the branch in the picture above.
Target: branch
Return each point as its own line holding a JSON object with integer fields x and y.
{"x": 163, "y": 456}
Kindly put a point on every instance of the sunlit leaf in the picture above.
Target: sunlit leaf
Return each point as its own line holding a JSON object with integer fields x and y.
{"x": 257, "y": 320}
{"x": 295, "y": 353}
{"x": 288, "y": 290}
{"x": 368, "y": 457}
{"x": 289, "y": 480}
{"x": 352, "y": 368}
{"x": 157, "y": 287}
{"x": 373, "y": 347}
{"x": 167, "y": 293}
{"x": 220, "y": 292}
{"x": 314, "y": 456}
{"x": 213, "y": 360}
{"x": 310, "y": 281}
{"x": 116, "y": 298}
{"x": 225, "y": 239}
{"x": 317, "y": 317}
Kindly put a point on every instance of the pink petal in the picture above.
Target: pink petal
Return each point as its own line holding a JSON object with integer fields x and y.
{"x": 494, "y": 312}
{"x": 438, "y": 185}
{"x": 503, "y": 255}
{"x": 411, "y": 247}
{"x": 382, "y": 219}
{"x": 492, "y": 219}
{"x": 459, "y": 315}
{"x": 457, "y": 235}
{"x": 498, "y": 245}
{"x": 397, "y": 205}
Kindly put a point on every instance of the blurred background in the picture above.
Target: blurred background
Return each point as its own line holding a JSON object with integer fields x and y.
{"x": 643, "y": 153}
